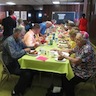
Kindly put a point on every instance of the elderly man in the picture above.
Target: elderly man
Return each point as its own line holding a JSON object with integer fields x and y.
{"x": 83, "y": 64}
{"x": 13, "y": 49}
{"x": 44, "y": 26}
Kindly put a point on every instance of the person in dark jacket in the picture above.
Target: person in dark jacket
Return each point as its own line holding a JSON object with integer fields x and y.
{"x": 8, "y": 24}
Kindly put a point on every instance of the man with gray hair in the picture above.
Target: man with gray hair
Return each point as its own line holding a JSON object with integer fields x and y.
{"x": 13, "y": 49}
{"x": 83, "y": 64}
{"x": 44, "y": 26}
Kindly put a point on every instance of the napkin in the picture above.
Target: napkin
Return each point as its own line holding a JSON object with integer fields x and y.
{"x": 42, "y": 58}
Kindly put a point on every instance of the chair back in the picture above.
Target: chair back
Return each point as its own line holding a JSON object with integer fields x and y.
{"x": 5, "y": 70}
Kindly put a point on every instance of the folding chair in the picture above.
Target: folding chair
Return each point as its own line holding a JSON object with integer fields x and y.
{"x": 5, "y": 73}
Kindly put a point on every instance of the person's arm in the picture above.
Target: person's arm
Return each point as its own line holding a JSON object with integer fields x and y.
{"x": 75, "y": 61}
{"x": 29, "y": 41}
{"x": 13, "y": 52}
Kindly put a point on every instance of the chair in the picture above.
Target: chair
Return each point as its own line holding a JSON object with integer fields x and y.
{"x": 5, "y": 72}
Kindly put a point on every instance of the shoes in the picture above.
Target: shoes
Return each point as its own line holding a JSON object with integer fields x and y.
{"x": 15, "y": 94}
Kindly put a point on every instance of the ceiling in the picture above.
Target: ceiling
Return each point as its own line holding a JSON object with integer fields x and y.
{"x": 37, "y": 2}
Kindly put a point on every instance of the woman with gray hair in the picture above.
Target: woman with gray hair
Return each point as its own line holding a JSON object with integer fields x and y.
{"x": 83, "y": 64}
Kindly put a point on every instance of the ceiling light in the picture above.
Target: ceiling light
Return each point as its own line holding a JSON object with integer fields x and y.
{"x": 56, "y": 2}
{"x": 10, "y": 3}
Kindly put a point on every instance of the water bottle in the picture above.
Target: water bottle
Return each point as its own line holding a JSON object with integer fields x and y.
{"x": 51, "y": 42}
{"x": 53, "y": 36}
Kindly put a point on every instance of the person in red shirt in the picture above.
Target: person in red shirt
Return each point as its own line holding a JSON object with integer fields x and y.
{"x": 83, "y": 23}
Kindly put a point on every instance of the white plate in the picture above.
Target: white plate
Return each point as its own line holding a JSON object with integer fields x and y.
{"x": 32, "y": 50}
{"x": 65, "y": 53}
{"x": 60, "y": 60}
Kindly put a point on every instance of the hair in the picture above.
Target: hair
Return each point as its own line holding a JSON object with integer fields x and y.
{"x": 81, "y": 38}
{"x": 48, "y": 24}
{"x": 11, "y": 12}
{"x": 18, "y": 30}
{"x": 35, "y": 26}
{"x": 76, "y": 28}
{"x": 20, "y": 21}
{"x": 73, "y": 32}
{"x": 83, "y": 15}
{"x": 71, "y": 24}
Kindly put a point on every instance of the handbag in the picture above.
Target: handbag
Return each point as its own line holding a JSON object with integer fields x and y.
{"x": 54, "y": 91}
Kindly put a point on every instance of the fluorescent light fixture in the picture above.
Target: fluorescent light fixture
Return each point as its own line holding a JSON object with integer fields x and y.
{"x": 10, "y": 3}
{"x": 71, "y": 3}
{"x": 56, "y": 2}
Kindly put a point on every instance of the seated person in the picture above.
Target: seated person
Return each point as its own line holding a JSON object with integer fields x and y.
{"x": 31, "y": 38}
{"x": 13, "y": 49}
{"x": 70, "y": 26}
{"x": 44, "y": 26}
{"x": 83, "y": 64}
{"x": 72, "y": 35}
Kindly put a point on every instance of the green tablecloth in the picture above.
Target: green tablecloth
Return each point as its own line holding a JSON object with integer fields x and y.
{"x": 50, "y": 65}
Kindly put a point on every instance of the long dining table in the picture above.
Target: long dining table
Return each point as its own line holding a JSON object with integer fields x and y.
{"x": 30, "y": 61}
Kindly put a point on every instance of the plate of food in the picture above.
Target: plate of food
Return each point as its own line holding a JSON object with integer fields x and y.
{"x": 33, "y": 53}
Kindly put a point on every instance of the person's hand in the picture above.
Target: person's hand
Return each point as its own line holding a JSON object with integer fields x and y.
{"x": 27, "y": 49}
{"x": 36, "y": 45}
{"x": 59, "y": 52}
{"x": 60, "y": 57}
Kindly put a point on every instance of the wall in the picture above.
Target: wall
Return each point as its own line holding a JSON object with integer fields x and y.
{"x": 48, "y": 9}
{"x": 19, "y": 8}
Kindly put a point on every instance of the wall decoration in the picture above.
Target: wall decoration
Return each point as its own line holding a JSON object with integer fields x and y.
{"x": 24, "y": 15}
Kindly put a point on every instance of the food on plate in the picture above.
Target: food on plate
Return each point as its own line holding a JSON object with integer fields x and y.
{"x": 33, "y": 52}
{"x": 60, "y": 58}
{"x": 42, "y": 40}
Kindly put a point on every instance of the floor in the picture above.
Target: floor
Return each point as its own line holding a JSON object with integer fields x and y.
{"x": 41, "y": 83}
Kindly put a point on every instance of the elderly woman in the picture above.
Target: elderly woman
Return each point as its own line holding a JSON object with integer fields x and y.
{"x": 83, "y": 64}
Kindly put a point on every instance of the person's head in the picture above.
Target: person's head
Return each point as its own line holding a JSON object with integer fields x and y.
{"x": 36, "y": 28}
{"x": 76, "y": 28}
{"x": 62, "y": 26}
{"x": 70, "y": 25}
{"x": 85, "y": 34}
{"x": 83, "y": 15}
{"x": 11, "y": 12}
{"x": 72, "y": 34}
{"x": 18, "y": 33}
{"x": 53, "y": 21}
{"x": 20, "y": 21}
{"x": 48, "y": 24}
{"x": 80, "y": 40}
